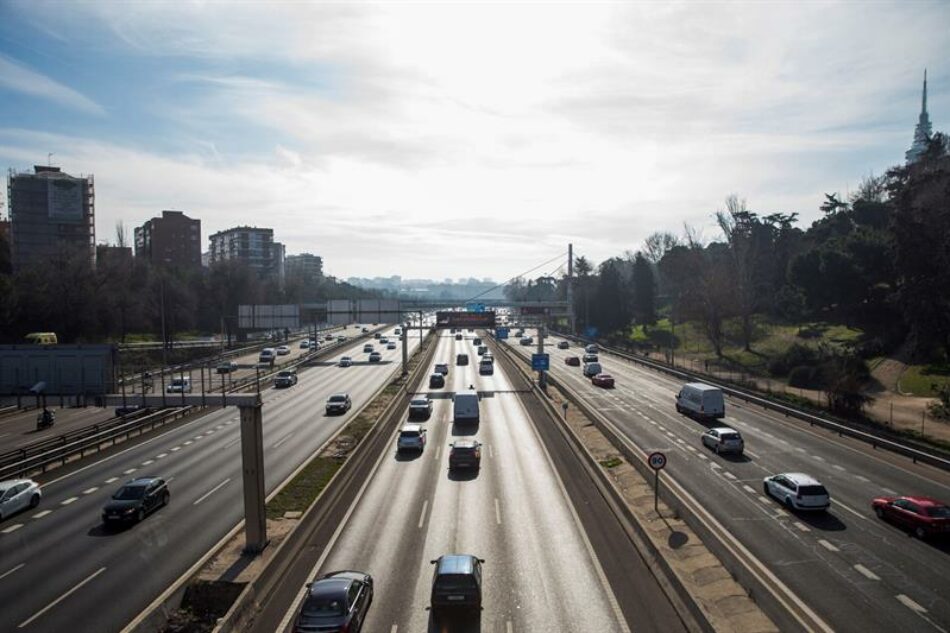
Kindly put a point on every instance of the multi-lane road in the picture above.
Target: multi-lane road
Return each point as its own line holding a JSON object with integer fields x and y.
{"x": 61, "y": 571}
{"x": 855, "y": 571}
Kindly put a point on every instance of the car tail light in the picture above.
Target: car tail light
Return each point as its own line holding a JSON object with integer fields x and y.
{"x": 345, "y": 628}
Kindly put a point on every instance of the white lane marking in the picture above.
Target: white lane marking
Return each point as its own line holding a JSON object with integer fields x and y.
{"x": 176, "y": 448}
{"x": 890, "y": 492}
{"x": 651, "y": 422}
{"x": 701, "y": 456}
{"x": 837, "y": 467}
{"x": 867, "y": 573}
{"x": 7, "y": 573}
{"x": 818, "y": 458}
{"x": 715, "y": 466}
{"x": 110, "y": 480}
{"x": 729, "y": 475}
{"x": 438, "y": 449}
{"x": 394, "y": 629}
{"x": 751, "y": 454}
{"x": 508, "y": 627}
{"x": 763, "y": 499}
{"x": 41, "y": 514}
{"x": 210, "y": 492}
{"x": 801, "y": 526}
{"x": 161, "y": 456}
{"x": 60, "y": 599}
{"x": 197, "y": 437}
{"x": 491, "y": 452}
{"x": 497, "y": 512}
{"x": 129, "y": 471}
{"x": 281, "y": 440}
{"x": 828, "y": 545}
{"x": 209, "y": 432}
{"x": 862, "y": 478}
{"x": 189, "y": 442}
{"x": 89, "y": 491}
{"x": 66, "y": 502}
{"x": 854, "y": 512}
{"x": 148, "y": 461}
{"x": 748, "y": 489}
{"x": 799, "y": 449}
{"x": 422, "y": 516}
{"x": 12, "y": 528}
{"x": 910, "y": 604}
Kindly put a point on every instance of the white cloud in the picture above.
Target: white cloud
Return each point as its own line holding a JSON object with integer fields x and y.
{"x": 18, "y": 78}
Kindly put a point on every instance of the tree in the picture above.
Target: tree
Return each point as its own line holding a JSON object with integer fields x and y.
{"x": 740, "y": 225}
{"x": 658, "y": 244}
{"x": 644, "y": 291}
{"x": 611, "y": 297}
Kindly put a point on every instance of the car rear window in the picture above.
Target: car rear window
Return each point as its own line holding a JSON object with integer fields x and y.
{"x": 455, "y": 581}
{"x": 409, "y": 434}
{"x": 939, "y": 512}
{"x": 812, "y": 491}
{"x": 337, "y": 398}
{"x": 322, "y": 608}
{"x": 127, "y": 493}
{"x": 732, "y": 437}
{"x": 419, "y": 402}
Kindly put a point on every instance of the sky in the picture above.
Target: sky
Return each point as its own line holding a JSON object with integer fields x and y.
{"x": 444, "y": 139}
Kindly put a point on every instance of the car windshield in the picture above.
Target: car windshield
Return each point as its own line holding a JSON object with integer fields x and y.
{"x": 322, "y": 608}
{"x": 284, "y": 374}
{"x": 177, "y": 382}
{"x": 812, "y": 491}
{"x": 337, "y": 398}
{"x": 939, "y": 512}
{"x": 128, "y": 493}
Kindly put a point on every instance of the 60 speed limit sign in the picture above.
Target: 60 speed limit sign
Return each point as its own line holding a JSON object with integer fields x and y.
{"x": 657, "y": 460}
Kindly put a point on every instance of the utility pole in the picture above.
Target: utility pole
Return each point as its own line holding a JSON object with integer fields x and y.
{"x": 542, "y": 380}
{"x": 164, "y": 334}
{"x": 570, "y": 289}
{"x": 405, "y": 347}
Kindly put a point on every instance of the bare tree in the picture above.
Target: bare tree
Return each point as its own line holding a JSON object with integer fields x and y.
{"x": 121, "y": 235}
{"x": 658, "y": 244}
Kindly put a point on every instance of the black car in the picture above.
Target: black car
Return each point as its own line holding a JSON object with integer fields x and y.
{"x": 436, "y": 381}
{"x": 134, "y": 500}
{"x": 339, "y": 403}
{"x": 465, "y": 454}
{"x": 461, "y": 359}
{"x": 458, "y": 337}
{"x": 336, "y": 602}
{"x": 457, "y": 582}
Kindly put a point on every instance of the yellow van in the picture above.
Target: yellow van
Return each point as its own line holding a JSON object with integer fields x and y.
{"x": 42, "y": 338}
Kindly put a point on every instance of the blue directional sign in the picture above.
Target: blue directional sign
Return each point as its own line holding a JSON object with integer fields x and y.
{"x": 501, "y": 332}
{"x": 475, "y": 307}
{"x": 540, "y": 362}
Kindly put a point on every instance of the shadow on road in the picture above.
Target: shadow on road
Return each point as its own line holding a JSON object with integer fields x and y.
{"x": 455, "y": 622}
{"x": 825, "y": 521}
{"x": 464, "y": 430}
{"x": 408, "y": 456}
{"x": 469, "y": 474}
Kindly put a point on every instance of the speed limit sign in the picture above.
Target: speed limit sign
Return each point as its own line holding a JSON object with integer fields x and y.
{"x": 657, "y": 460}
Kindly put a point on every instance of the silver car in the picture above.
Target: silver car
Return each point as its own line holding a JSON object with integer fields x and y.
{"x": 722, "y": 439}
{"x": 412, "y": 437}
{"x": 420, "y": 407}
{"x": 17, "y": 495}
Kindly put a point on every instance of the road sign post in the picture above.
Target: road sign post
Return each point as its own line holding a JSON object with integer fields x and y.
{"x": 657, "y": 462}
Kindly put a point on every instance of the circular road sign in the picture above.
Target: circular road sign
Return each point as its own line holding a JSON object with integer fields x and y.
{"x": 657, "y": 461}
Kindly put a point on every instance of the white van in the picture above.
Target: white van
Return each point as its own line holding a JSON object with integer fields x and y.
{"x": 704, "y": 401}
{"x": 465, "y": 406}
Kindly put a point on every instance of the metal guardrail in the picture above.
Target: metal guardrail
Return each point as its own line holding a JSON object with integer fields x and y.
{"x": 876, "y": 441}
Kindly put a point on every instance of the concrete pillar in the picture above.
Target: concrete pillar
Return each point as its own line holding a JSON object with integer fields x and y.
{"x": 252, "y": 461}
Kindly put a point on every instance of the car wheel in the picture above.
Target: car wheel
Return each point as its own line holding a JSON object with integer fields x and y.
{"x": 679, "y": 409}
{"x": 765, "y": 488}
{"x": 920, "y": 533}
{"x": 879, "y": 512}
{"x": 789, "y": 504}
{"x": 165, "y": 498}
{"x": 140, "y": 516}
{"x": 717, "y": 449}
{"x": 34, "y": 501}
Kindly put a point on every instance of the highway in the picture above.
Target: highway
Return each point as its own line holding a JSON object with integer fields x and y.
{"x": 541, "y": 572}
{"x": 857, "y": 572}
{"x": 61, "y": 571}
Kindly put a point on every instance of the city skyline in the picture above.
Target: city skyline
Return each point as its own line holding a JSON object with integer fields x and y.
{"x": 418, "y": 140}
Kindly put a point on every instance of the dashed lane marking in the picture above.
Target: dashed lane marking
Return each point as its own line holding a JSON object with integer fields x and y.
{"x": 111, "y": 479}
{"x": 729, "y": 475}
{"x": 837, "y": 467}
{"x": 41, "y": 514}
{"x": 801, "y": 526}
{"x": 176, "y": 448}
{"x": 748, "y": 489}
{"x": 862, "y": 478}
{"x": 867, "y": 573}
{"x": 89, "y": 491}
{"x": 764, "y": 500}
{"x": 161, "y": 456}
{"x": 828, "y": 545}
{"x": 12, "y": 528}
{"x": 148, "y": 461}
{"x": 497, "y": 512}
{"x": 129, "y": 471}
{"x": 508, "y": 627}
{"x": 189, "y": 442}
{"x": 715, "y": 466}
{"x": 751, "y": 454}
{"x": 210, "y": 492}
{"x": 66, "y": 502}
{"x": 422, "y": 516}
{"x": 818, "y": 458}
{"x": 437, "y": 449}
{"x": 889, "y": 491}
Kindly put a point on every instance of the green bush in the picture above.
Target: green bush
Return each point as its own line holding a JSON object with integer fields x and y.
{"x": 796, "y": 355}
{"x": 805, "y": 377}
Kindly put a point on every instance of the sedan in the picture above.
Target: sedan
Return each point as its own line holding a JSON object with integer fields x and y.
{"x": 603, "y": 380}
{"x": 346, "y": 361}
{"x": 442, "y": 368}
{"x": 722, "y": 439}
{"x": 924, "y": 516}
{"x": 305, "y": 344}
{"x": 339, "y": 403}
{"x": 436, "y": 381}
{"x": 17, "y": 495}
{"x": 391, "y": 345}
{"x": 420, "y": 407}
{"x": 375, "y": 357}
{"x": 563, "y": 345}
{"x": 227, "y": 367}
{"x": 134, "y": 500}
{"x": 283, "y": 350}
{"x": 573, "y": 361}
{"x": 336, "y": 603}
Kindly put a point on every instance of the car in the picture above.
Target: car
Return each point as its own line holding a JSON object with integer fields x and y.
{"x": 336, "y": 603}
{"x": 797, "y": 491}
{"x": 226, "y": 367}
{"x": 180, "y": 384}
{"x": 488, "y": 358}
{"x": 329, "y": 337}
{"x": 412, "y": 437}
{"x": 345, "y": 361}
{"x": 339, "y": 403}
{"x": 465, "y": 406}
{"x": 368, "y": 349}
{"x": 377, "y": 335}
{"x": 442, "y": 368}
{"x": 391, "y": 345}
{"x": 457, "y": 583}
{"x": 17, "y": 495}
{"x": 285, "y": 378}
{"x": 305, "y": 344}
{"x": 397, "y": 331}
{"x": 592, "y": 369}
{"x": 420, "y": 407}
{"x": 476, "y": 341}
{"x": 128, "y": 409}
{"x": 925, "y": 517}
{"x": 267, "y": 355}
{"x": 573, "y": 361}
{"x": 383, "y": 340}
{"x": 482, "y": 349}
{"x": 436, "y": 381}
{"x": 135, "y": 500}
{"x": 375, "y": 357}
{"x": 591, "y": 349}
{"x": 458, "y": 337}
{"x": 461, "y": 359}
{"x": 519, "y": 333}
{"x": 527, "y": 340}
{"x": 603, "y": 380}
{"x": 340, "y": 338}
{"x": 365, "y": 330}
{"x": 722, "y": 439}
{"x": 486, "y": 368}
{"x": 465, "y": 454}
{"x": 590, "y": 358}
{"x": 563, "y": 345}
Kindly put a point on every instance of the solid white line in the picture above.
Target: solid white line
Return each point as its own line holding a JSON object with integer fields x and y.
{"x": 89, "y": 491}
{"x": 111, "y": 479}
{"x": 59, "y": 599}
{"x": 66, "y": 502}
{"x": 828, "y": 545}
{"x": 854, "y": 512}
{"x": 422, "y": 516}
{"x": 281, "y": 440}
{"x": 12, "y": 528}
{"x": 210, "y": 492}
{"x": 497, "y": 512}
{"x": 7, "y": 573}
{"x": 867, "y": 573}
{"x": 41, "y": 514}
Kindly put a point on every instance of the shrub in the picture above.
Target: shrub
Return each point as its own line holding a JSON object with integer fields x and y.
{"x": 805, "y": 377}
{"x": 796, "y": 355}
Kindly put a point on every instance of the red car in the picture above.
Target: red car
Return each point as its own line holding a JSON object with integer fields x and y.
{"x": 573, "y": 361}
{"x": 603, "y": 380}
{"x": 924, "y": 516}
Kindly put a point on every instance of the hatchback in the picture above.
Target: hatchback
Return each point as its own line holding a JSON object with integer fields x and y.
{"x": 590, "y": 358}
{"x": 592, "y": 369}
{"x": 573, "y": 361}
{"x": 436, "y": 381}
{"x": 457, "y": 582}
{"x": 603, "y": 380}
{"x": 722, "y": 439}
{"x": 797, "y": 491}
{"x": 339, "y": 403}
{"x": 420, "y": 407}
{"x": 442, "y": 368}
{"x": 375, "y": 357}
{"x": 925, "y": 517}
{"x": 368, "y": 349}
{"x": 17, "y": 495}
{"x": 465, "y": 454}
{"x": 336, "y": 603}
{"x": 412, "y": 437}
{"x": 134, "y": 500}
{"x": 563, "y": 345}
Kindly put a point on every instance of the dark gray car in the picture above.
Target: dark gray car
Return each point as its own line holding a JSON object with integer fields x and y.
{"x": 337, "y": 602}
{"x": 137, "y": 498}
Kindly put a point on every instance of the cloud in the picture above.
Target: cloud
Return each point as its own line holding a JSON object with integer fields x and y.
{"x": 18, "y": 78}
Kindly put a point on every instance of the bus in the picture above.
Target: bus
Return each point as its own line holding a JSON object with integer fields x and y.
{"x": 42, "y": 338}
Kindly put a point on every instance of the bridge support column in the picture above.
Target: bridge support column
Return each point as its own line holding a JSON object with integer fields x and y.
{"x": 252, "y": 463}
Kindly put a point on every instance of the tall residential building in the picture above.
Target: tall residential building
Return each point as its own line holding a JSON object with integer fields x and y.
{"x": 253, "y": 246}
{"x": 922, "y": 131}
{"x": 306, "y": 266}
{"x": 51, "y": 214}
{"x": 172, "y": 241}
